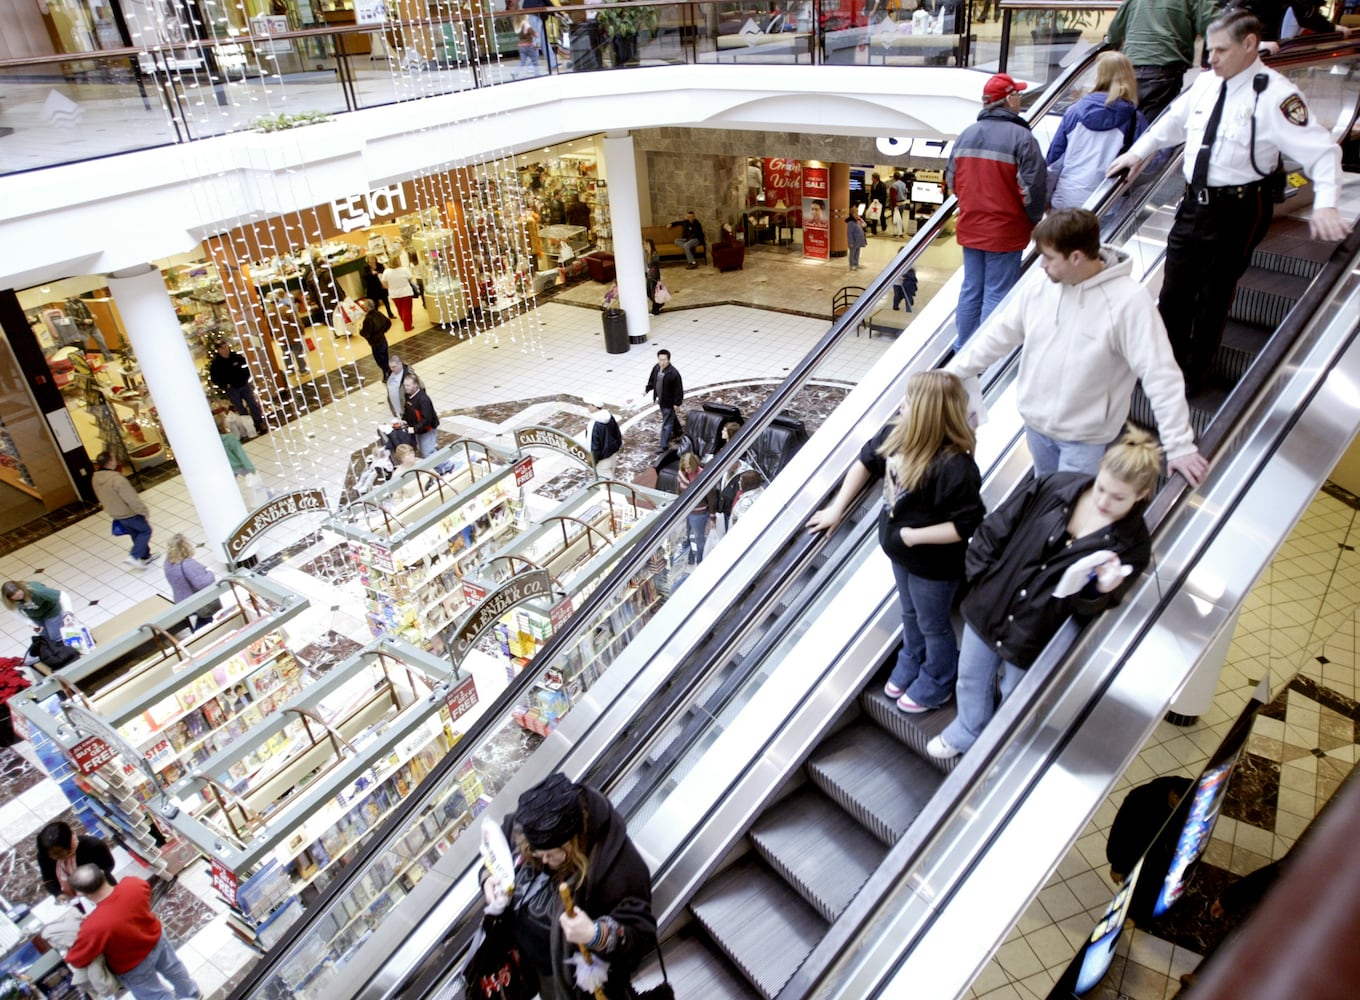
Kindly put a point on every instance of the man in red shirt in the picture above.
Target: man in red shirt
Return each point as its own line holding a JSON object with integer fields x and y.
{"x": 123, "y": 929}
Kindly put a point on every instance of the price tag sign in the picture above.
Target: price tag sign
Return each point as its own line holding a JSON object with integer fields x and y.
{"x": 524, "y": 470}
{"x": 560, "y": 613}
{"x": 473, "y": 592}
{"x": 224, "y": 881}
{"x": 461, "y": 699}
{"x": 90, "y": 754}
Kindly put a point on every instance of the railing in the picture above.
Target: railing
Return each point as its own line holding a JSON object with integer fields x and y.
{"x": 70, "y": 107}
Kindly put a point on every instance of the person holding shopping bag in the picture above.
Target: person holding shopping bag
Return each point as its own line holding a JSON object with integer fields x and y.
{"x": 932, "y": 504}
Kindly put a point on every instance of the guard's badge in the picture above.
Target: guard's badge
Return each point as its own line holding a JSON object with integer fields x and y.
{"x": 1295, "y": 111}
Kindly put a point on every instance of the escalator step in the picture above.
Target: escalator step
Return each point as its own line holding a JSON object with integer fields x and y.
{"x": 874, "y": 778}
{"x": 1263, "y": 298}
{"x": 1289, "y": 248}
{"x": 760, "y": 923}
{"x": 694, "y": 970}
{"x": 913, "y": 730}
{"x": 818, "y": 848}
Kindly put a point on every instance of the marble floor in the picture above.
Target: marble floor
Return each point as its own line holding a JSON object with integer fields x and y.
{"x": 1299, "y": 627}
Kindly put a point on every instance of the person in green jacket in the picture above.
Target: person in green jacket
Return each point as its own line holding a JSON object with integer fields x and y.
{"x": 34, "y": 601}
{"x": 241, "y": 465}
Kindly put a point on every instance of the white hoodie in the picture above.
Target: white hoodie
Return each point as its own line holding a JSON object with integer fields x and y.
{"x": 1085, "y": 347}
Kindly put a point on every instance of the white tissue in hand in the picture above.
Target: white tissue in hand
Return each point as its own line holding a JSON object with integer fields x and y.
{"x": 1078, "y": 575}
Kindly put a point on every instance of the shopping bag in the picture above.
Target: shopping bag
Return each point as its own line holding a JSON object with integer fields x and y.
{"x": 76, "y": 635}
{"x": 494, "y": 972}
{"x": 662, "y": 295}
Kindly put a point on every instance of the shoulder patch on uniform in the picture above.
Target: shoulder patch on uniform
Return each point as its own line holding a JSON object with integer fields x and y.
{"x": 1295, "y": 111}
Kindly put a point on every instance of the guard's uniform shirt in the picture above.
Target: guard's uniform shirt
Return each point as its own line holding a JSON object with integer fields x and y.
{"x": 1283, "y": 124}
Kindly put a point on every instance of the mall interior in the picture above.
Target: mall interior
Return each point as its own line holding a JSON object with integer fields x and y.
{"x": 294, "y": 754}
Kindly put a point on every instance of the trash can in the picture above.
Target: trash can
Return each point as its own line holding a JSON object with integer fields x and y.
{"x": 615, "y": 331}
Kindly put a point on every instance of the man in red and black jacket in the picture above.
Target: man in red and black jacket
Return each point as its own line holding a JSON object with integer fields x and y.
{"x": 998, "y": 173}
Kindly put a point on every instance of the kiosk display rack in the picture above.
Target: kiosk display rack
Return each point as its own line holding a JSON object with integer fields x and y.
{"x": 578, "y": 543}
{"x": 124, "y": 714}
{"x": 417, "y": 537}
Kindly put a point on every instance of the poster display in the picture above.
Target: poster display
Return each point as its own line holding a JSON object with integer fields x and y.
{"x": 816, "y": 213}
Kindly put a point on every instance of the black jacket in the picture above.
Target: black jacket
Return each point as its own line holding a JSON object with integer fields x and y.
{"x": 89, "y": 851}
{"x": 1141, "y": 815}
{"x": 229, "y": 372}
{"x": 952, "y": 491}
{"x": 669, "y": 387}
{"x": 419, "y": 412}
{"x": 617, "y": 884}
{"x": 1018, "y": 555}
{"x": 375, "y": 326}
{"x": 691, "y": 230}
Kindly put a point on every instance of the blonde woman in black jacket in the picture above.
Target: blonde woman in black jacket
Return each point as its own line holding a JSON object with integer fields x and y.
{"x": 1017, "y": 560}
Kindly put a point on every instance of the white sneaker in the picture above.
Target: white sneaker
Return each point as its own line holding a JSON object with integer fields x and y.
{"x": 941, "y": 750}
{"x": 893, "y": 691}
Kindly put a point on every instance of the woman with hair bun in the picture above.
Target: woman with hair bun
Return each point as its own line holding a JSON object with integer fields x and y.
{"x": 1066, "y": 544}
{"x": 568, "y": 834}
{"x": 932, "y": 503}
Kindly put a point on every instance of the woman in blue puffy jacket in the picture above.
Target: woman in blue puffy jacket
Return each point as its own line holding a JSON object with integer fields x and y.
{"x": 1093, "y": 132}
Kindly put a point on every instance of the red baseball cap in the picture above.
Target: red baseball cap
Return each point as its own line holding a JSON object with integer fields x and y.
{"x": 1001, "y": 86}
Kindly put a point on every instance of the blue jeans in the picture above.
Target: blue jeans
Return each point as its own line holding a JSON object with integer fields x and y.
{"x": 698, "y": 533}
{"x": 979, "y": 664}
{"x": 140, "y": 531}
{"x": 144, "y": 981}
{"x": 929, "y": 660}
{"x": 987, "y": 277}
{"x": 52, "y": 626}
{"x": 427, "y": 443}
{"x": 670, "y": 426}
{"x": 854, "y": 258}
{"x": 688, "y": 246}
{"x": 1052, "y": 455}
{"x": 243, "y": 402}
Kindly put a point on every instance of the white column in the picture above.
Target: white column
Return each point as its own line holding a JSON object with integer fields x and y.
{"x": 1196, "y": 695}
{"x": 620, "y": 168}
{"x": 168, "y": 367}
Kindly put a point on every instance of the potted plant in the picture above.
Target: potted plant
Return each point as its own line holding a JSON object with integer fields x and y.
{"x": 622, "y": 25}
{"x": 1057, "y": 27}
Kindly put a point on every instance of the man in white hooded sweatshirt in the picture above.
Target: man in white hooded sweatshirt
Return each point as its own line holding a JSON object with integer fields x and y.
{"x": 1089, "y": 333}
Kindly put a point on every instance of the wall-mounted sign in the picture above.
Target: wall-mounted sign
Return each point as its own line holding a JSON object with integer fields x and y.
{"x": 359, "y": 211}
{"x": 483, "y": 618}
{"x": 546, "y": 437}
{"x": 281, "y": 508}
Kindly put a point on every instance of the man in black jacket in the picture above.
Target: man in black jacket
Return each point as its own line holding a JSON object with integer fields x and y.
{"x": 667, "y": 388}
{"x": 374, "y": 330}
{"x": 691, "y": 236}
{"x": 230, "y": 373}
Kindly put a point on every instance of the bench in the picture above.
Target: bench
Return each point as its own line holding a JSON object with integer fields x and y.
{"x": 664, "y": 238}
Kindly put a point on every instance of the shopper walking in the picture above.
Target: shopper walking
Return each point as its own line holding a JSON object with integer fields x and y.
{"x": 230, "y": 373}
{"x": 374, "y": 330}
{"x": 526, "y": 36}
{"x": 397, "y": 371}
{"x": 932, "y": 504}
{"x": 39, "y": 604}
{"x": 397, "y": 280}
{"x": 606, "y": 440}
{"x": 668, "y": 390}
{"x": 61, "y": 851}
{"x": 123, "y": 929}
{"x": 855, "y": 240}
{"x": 653, "y": 262}
{"x": 1095, "y": 130}
{"x": 373, "y": 285}
{"x": 120, "y": 501}
{"x": 905, "y": 290}
{"x": 564, "y": 834}
{"x": 187, "y": 576}
{"x": 1061, "y": 545}
{"x": 997, "y": 172}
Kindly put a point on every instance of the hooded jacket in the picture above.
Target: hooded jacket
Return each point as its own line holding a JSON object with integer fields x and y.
{"x": 1020, "y": 552}
{"x": 998, "y": 172}
{"x": 1085, "y": 346}
{"x": 605, "y": 437}
{"x": 1091, "y": 135}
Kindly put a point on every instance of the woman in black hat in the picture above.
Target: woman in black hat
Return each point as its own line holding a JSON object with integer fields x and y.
{"x": 563, "y": 833}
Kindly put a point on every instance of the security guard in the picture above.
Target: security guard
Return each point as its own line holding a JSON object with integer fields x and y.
{"x": 1234, "y": 122}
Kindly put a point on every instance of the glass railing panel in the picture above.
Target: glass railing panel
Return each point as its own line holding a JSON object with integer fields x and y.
{"x": 1045, "y": 38}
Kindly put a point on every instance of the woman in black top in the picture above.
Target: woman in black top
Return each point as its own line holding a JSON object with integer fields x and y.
{"x": 1016, "y": 566}
{"x": 61, "y": 852}
{"x": 931, "y": 504}
{"x": 373, "y": 287}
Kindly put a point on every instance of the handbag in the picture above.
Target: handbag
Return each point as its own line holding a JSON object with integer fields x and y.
{"x": 662, "y": 295}
{"x": 494, "y": 971}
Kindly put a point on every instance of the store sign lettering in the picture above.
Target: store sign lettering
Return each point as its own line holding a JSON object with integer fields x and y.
{"x": 546, "y": 437}
{"x": 224, "y": 881}
{"x": 281, "y": 508}
{"x": 90, "y": 754}
{"x": 461, "y": 699}
{"x": 560, "y": 613}
{"x": 520, "y": 589}
{"x": 359, "y": 210}
{"x": 524, "y": 470}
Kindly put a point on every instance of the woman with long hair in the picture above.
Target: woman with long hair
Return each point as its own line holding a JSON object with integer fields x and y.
{"x": 653, "y": 262}
{"x": 568, "y": 834}
{"x": 38, "y": 603}
{"x": 1093, "y": 132}
{"x": 932, "y": 503}
{"x": 1065, "y": 544}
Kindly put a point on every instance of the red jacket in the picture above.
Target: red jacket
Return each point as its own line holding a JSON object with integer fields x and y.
{"x": 998, "y": 172}
{"x": 122, "y": 928}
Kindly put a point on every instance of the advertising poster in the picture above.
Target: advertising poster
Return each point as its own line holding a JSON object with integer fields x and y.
{"x": 783, "y": 181}
{"x": 816, "y": 213}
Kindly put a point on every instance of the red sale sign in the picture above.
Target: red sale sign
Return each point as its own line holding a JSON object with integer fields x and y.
{"x": 224, "y": 881}
{"x": 816, "y": 213}
{"x": 91, "y": 754}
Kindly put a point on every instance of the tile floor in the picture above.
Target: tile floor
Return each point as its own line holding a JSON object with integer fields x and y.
{"x": 1298, "y": 626}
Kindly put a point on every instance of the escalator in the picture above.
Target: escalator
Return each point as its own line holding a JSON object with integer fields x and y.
{"x": 651, "y": 727}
